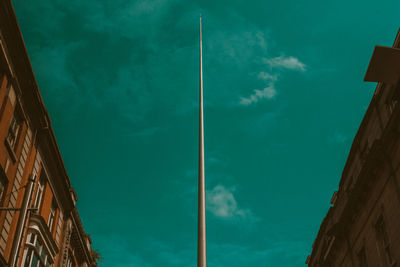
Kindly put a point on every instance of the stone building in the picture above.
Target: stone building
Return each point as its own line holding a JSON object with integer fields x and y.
{"x": 39, "y": 222}
{"x": 362, "y": 227}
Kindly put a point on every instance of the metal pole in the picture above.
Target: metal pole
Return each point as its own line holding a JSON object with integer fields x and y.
{"x": 201, "y": 241}
{"x": 21, "y": 222}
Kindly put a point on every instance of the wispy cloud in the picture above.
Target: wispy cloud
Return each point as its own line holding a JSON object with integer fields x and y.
{"x": 267, "y": 76}
{"x": 276, "y": 65}
{"x": 268, "y": 93}
{"x": 222, "y": 203}
{"x": 285, "y": 62}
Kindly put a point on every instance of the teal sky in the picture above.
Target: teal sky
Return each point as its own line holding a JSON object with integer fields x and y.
{"x": 284, "y": 96}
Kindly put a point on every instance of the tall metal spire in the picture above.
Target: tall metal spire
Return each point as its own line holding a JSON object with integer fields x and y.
{"x": 201, "y": 239}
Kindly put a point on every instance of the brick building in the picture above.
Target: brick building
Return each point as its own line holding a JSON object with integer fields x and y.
{"x": 362, "y": 227}
{"x": 39, "y": 222}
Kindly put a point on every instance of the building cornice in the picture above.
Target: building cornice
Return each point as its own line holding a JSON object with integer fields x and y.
{"x": 81, "y": 235}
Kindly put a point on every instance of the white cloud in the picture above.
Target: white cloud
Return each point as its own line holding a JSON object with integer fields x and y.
{"x": 267, "y": 76}
{"x": 268, "y": 92}
{"x": 222, "y": 203}
{"x": 285, "y": 62}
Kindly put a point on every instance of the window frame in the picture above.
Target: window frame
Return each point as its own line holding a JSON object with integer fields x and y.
{"x": 35, "y": 249}
{"x": 4, "y": 184}
{"x": 383, "y": 242}
{"x": 52, "y": 216}
{"x": 40, "y": 192}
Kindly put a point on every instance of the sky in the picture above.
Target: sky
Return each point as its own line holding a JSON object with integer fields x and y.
{"x": 284, "y": 96}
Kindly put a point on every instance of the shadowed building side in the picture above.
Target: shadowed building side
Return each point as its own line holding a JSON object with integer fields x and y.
{"x": 362, "y": 225}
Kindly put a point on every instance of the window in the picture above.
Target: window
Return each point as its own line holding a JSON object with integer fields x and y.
{"x": 383, "y": 242}
{"x": 3, "y": 184}
{"x": 39, "y": 192}
{"x": 58, "y": 229}
{"x": 393, "y": 101}
{"x": 392, "y": 105}
{"x": 52, "y": 215}
{"x": 70, "y": 261}
{"x": 13, "y": 131}
{"x": 362, "y": 258}
{"x": 35, "y": 254}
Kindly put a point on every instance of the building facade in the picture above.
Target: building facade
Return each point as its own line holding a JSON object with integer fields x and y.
{"x": 362, "y": 227}
{"x": 39, "y": 222}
